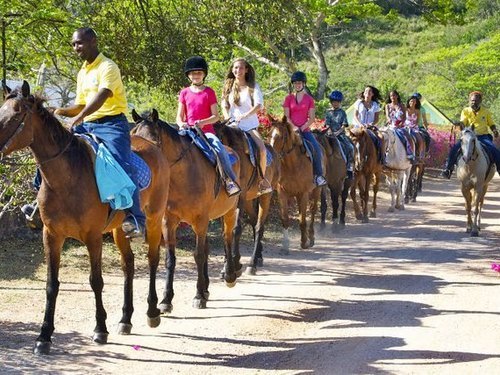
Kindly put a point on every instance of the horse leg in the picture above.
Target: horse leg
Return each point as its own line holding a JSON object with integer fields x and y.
{"x": 52, "y": 246}
{"x": 468, "y": 199}
{"x": 169, "y": 228}
{"x": 313, "y": 207}
{"x": 257, "y": 260}
{"x": 285, "y": 221}
{"x": 345, "y": 193}
{"x": 376, "y": 182}
{"x": 127, "y": 265}
{"x": 200, "y": 257}
{"x": 323, "y": 209}
{"x": 302, "y": 202}
{"x": 420, "y": 178}
{"x": 238, "y": 229}
{"x": 154, "y": 231}
{"x": 365, "y": 199}
{"x": 478, "y": 196}
{"x": 231, "y": 264}
{"x": 391, "y": 186}
{"x": 94, "y": 246}
{"x": 334, "y": 197}
{"x": 357, "y": 211}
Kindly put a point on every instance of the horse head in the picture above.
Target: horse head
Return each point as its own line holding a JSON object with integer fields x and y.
{"x": 469, "y": 145}
{"x": 15, "y": 131}
{"x": 146, "y": 125}
{"x": 360, "y": 138}
{"x": 283, "y": 136}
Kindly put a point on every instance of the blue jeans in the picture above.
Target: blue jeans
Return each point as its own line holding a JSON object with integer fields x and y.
{"x": 222, "y": 155}
{"x": 114, "y": 133}
{"x": 348, "y": 148}
{"x": 486, "y": 140}
{"x": 317, "y": 154}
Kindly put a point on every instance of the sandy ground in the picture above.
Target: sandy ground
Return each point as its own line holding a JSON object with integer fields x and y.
{"x": 408, "y": 293}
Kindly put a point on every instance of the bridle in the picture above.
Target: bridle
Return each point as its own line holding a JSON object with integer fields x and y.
{"x": 284, "y": 152}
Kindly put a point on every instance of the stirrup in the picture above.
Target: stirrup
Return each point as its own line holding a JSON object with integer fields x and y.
{"x": 320, "y": 181}
{"x": 132, "y": 228}
{"x": 232, "y": 188}
{"x": 29, "y": 210}
{"x": 264, "y": 187}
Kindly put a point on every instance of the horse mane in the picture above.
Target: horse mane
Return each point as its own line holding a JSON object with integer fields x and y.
{"x": 170, "y": 129}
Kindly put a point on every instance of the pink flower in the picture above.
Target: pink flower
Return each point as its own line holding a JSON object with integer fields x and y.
{"x": 495, "y": 267}
{"x": 136, "y": 347}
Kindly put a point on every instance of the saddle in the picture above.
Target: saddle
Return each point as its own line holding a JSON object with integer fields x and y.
{"x": 308, "y": 148}
{"x": 252, "y": 150}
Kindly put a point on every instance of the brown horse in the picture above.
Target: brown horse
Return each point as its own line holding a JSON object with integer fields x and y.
{"x": 256, "y": 207}
{"x": 367, "y": 169}
{"x": 70, "y": 206}
{"x": 336, "y": 175}
{"x": 296, "y": 180}
{"x": 196, "y": 197}
{"x": 417, "y": 170}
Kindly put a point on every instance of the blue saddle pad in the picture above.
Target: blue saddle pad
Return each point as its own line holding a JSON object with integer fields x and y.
{"x": 202, "y": 145}
{"x": 141, "y": 170}
{"x": 252, "y": 147}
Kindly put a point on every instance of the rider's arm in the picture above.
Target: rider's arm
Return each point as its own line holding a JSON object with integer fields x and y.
{"x": 209, "y": 120}
{"x": 70, "y": 111}
{"x": 387, "y": 117}
{"x": 310, "y": 119}
{"x": 287, "y": 115}
{"x": 181, "y": 115}
{"x": 375, "y": 119}
{"x": 356, "y": 118}
{"x": 96, "y": 103}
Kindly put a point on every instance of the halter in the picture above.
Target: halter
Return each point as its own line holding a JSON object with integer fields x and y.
{"x": 474, "y": 150}
{"x": 283, "y": 153}
{"x": 19, "y": 128}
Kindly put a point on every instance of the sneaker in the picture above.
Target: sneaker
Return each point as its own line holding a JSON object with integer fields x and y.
{"x": 320, "y": 181}
{"x": 265, "y": 187}
{"x": 132, "y": 228}
{"x": 28, "y": 210}
{"x": 446, "y": 173}
{"x": 232, "y": 188}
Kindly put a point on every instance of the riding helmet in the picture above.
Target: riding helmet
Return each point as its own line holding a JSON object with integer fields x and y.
{"x": 298, "y": 76}
{"x": 336, "y": 96}
{"x": 195, "y": 63}
{"x": 417, "y": 95}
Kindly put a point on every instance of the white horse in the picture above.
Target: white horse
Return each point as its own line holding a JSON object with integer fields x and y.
{"x": 397, "y": 168}
{"x": 474, "y": 172}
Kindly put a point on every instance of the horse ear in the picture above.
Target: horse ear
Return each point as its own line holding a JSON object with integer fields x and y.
{"x": 135, "y": 116}
{"x": 25, "y": 89}
{"x": 6, "y": 89}
{"x": 154, "y": 115}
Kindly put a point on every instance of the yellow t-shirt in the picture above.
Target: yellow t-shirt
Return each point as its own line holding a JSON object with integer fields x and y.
{"x": 482, "y": 120}
{"x": 101, "y": 73}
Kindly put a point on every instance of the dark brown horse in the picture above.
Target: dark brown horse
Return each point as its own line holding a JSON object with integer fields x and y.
{"x": 417, "y": 170}
{"x": 70, "y": 206}
{"x": 336, "y": 175}
{"x": 196, "y": 196}
{"x": 256, "y": 207}
{"x": 296, "y": 181}
{"x": 367, "y": 169}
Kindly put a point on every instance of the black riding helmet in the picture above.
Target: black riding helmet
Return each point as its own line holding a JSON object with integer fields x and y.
{"x": 195, "y": 63}
{"x": 298, "y": 76}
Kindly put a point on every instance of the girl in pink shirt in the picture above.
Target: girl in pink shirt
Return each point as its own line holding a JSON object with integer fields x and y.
{"x": 300, "y": 111}
{"x": 198, "y": 107}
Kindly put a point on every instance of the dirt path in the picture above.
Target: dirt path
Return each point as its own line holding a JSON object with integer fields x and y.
{"x": 408, "y": 293}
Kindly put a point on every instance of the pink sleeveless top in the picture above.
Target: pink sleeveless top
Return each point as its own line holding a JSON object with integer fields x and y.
{"x": 411, "y": 120}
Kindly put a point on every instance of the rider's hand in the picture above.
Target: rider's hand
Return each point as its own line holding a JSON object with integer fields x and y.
{"x": 495, "y": 133}
{"x": 74, "y": 121}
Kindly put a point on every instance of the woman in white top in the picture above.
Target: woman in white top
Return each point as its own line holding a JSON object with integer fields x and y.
{"x": 367, "y": 108}
{"x": 241, "y": 100}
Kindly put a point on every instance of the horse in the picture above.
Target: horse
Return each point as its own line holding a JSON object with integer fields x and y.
{"x": 255, "y": 206}
{"x": 474, "y": 171}
{"x": 70, "y": 206}
{"x": 336, "y": 175}
{"x": 417, "y": 170}
{"x": 367, "y": 169}
{"x": 397, "y": 168}
{"x": 296, "y": 180}
{"x": 196, "y": 196}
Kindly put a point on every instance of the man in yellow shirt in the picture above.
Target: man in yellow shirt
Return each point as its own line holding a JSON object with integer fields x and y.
{"x": 482, "y": 120}
{"x": 99, "y": 108}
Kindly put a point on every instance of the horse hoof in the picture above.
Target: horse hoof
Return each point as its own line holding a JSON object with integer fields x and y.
{"x": 407, "y": 200}
{"x": 391, "y": 209}
{"x": 311, "y": 243}
{"x": 373, "y": 214}
{"x": 251, "y": 271}
{"x": 414, "y": 200}
{"x": 154, "y": 322}
{"x": 100, "y": 337}
{"x": 42, "y": 347}
{"x": 304, "y": 245}
{"x": 401, "y": 207}
{"x": 474, "y": 233}
{"x": 239, "y": 272}
{"x": 359, "y": 217}
{"x": 124, "y": 328}
{"x": 230, "y": 284}
{"x": 166, "y": 308}
{"x": 199, "y": 303}
{"x": 365, "y": 220}
{"x": 259, "y": 262}
{"x": 206, "y": 295}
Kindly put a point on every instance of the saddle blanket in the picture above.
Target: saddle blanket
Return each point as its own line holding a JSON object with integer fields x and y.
{"x": 252, "y": 148}
{"x": 203, "y": 147}
{"x": 142, "y": 172}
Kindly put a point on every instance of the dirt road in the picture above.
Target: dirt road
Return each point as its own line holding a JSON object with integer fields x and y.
{"x": 408, "y": 293}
